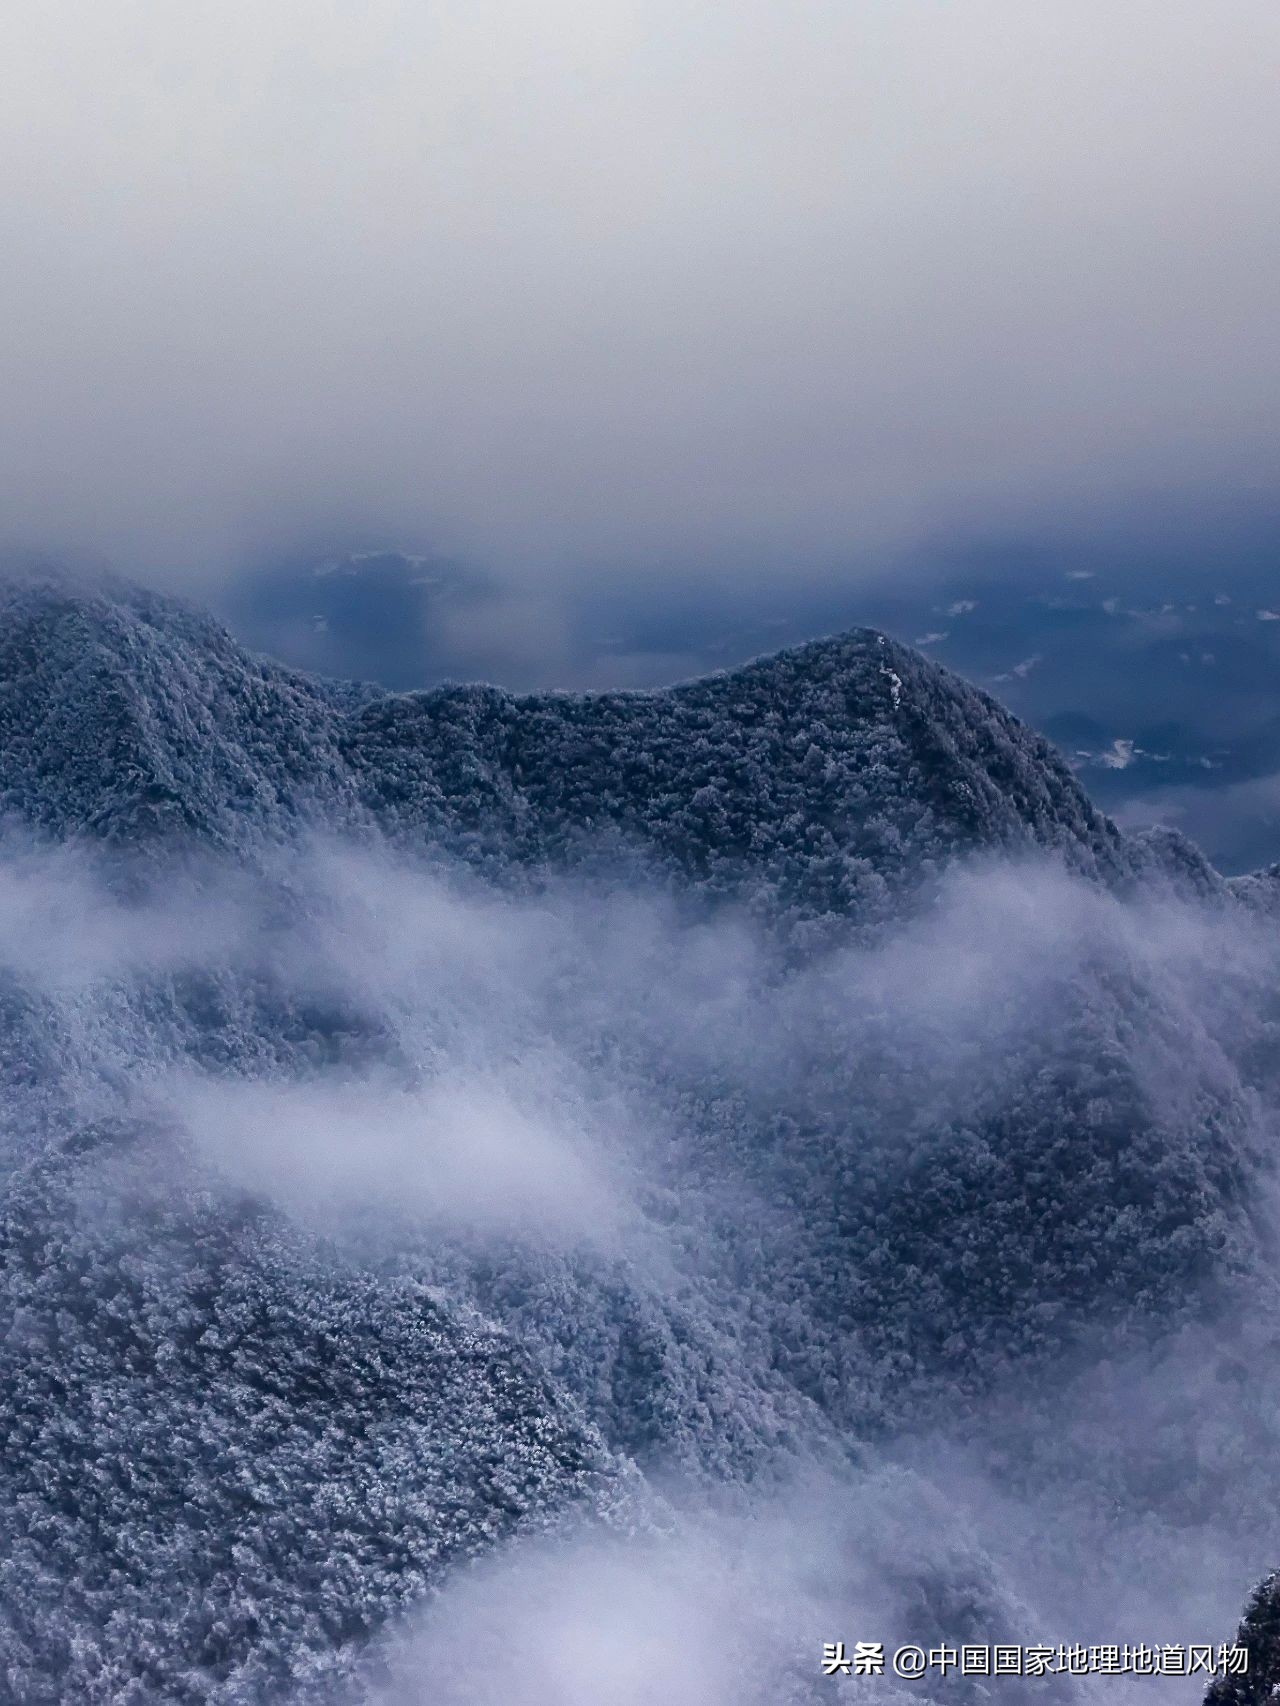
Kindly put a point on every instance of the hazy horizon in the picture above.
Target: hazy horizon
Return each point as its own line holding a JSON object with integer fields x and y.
{"x": 591, "y": 294}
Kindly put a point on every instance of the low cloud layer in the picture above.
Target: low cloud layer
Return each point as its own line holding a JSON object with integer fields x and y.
{"x": 462, "y": 1153}
{"x": 622, "y": 1135}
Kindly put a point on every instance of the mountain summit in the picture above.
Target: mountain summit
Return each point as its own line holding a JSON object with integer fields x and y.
{"x": 821, "y": 778}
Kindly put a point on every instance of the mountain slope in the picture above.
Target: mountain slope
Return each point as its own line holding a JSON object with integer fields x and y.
{"x": 397, "y": 1166}
{"x": 203, "y": 1418}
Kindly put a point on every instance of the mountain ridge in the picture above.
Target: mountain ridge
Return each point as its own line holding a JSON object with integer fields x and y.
{"x": 816, "y": 774}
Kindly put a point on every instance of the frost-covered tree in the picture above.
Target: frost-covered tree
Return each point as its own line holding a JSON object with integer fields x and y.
{"x": 1259, "y": 1635}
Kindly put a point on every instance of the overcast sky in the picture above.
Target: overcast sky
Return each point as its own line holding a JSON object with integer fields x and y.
{"x": 590, "y": 287}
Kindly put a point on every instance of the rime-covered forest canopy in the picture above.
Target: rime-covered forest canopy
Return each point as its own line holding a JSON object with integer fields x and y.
{"x": 584, "y": 1198}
